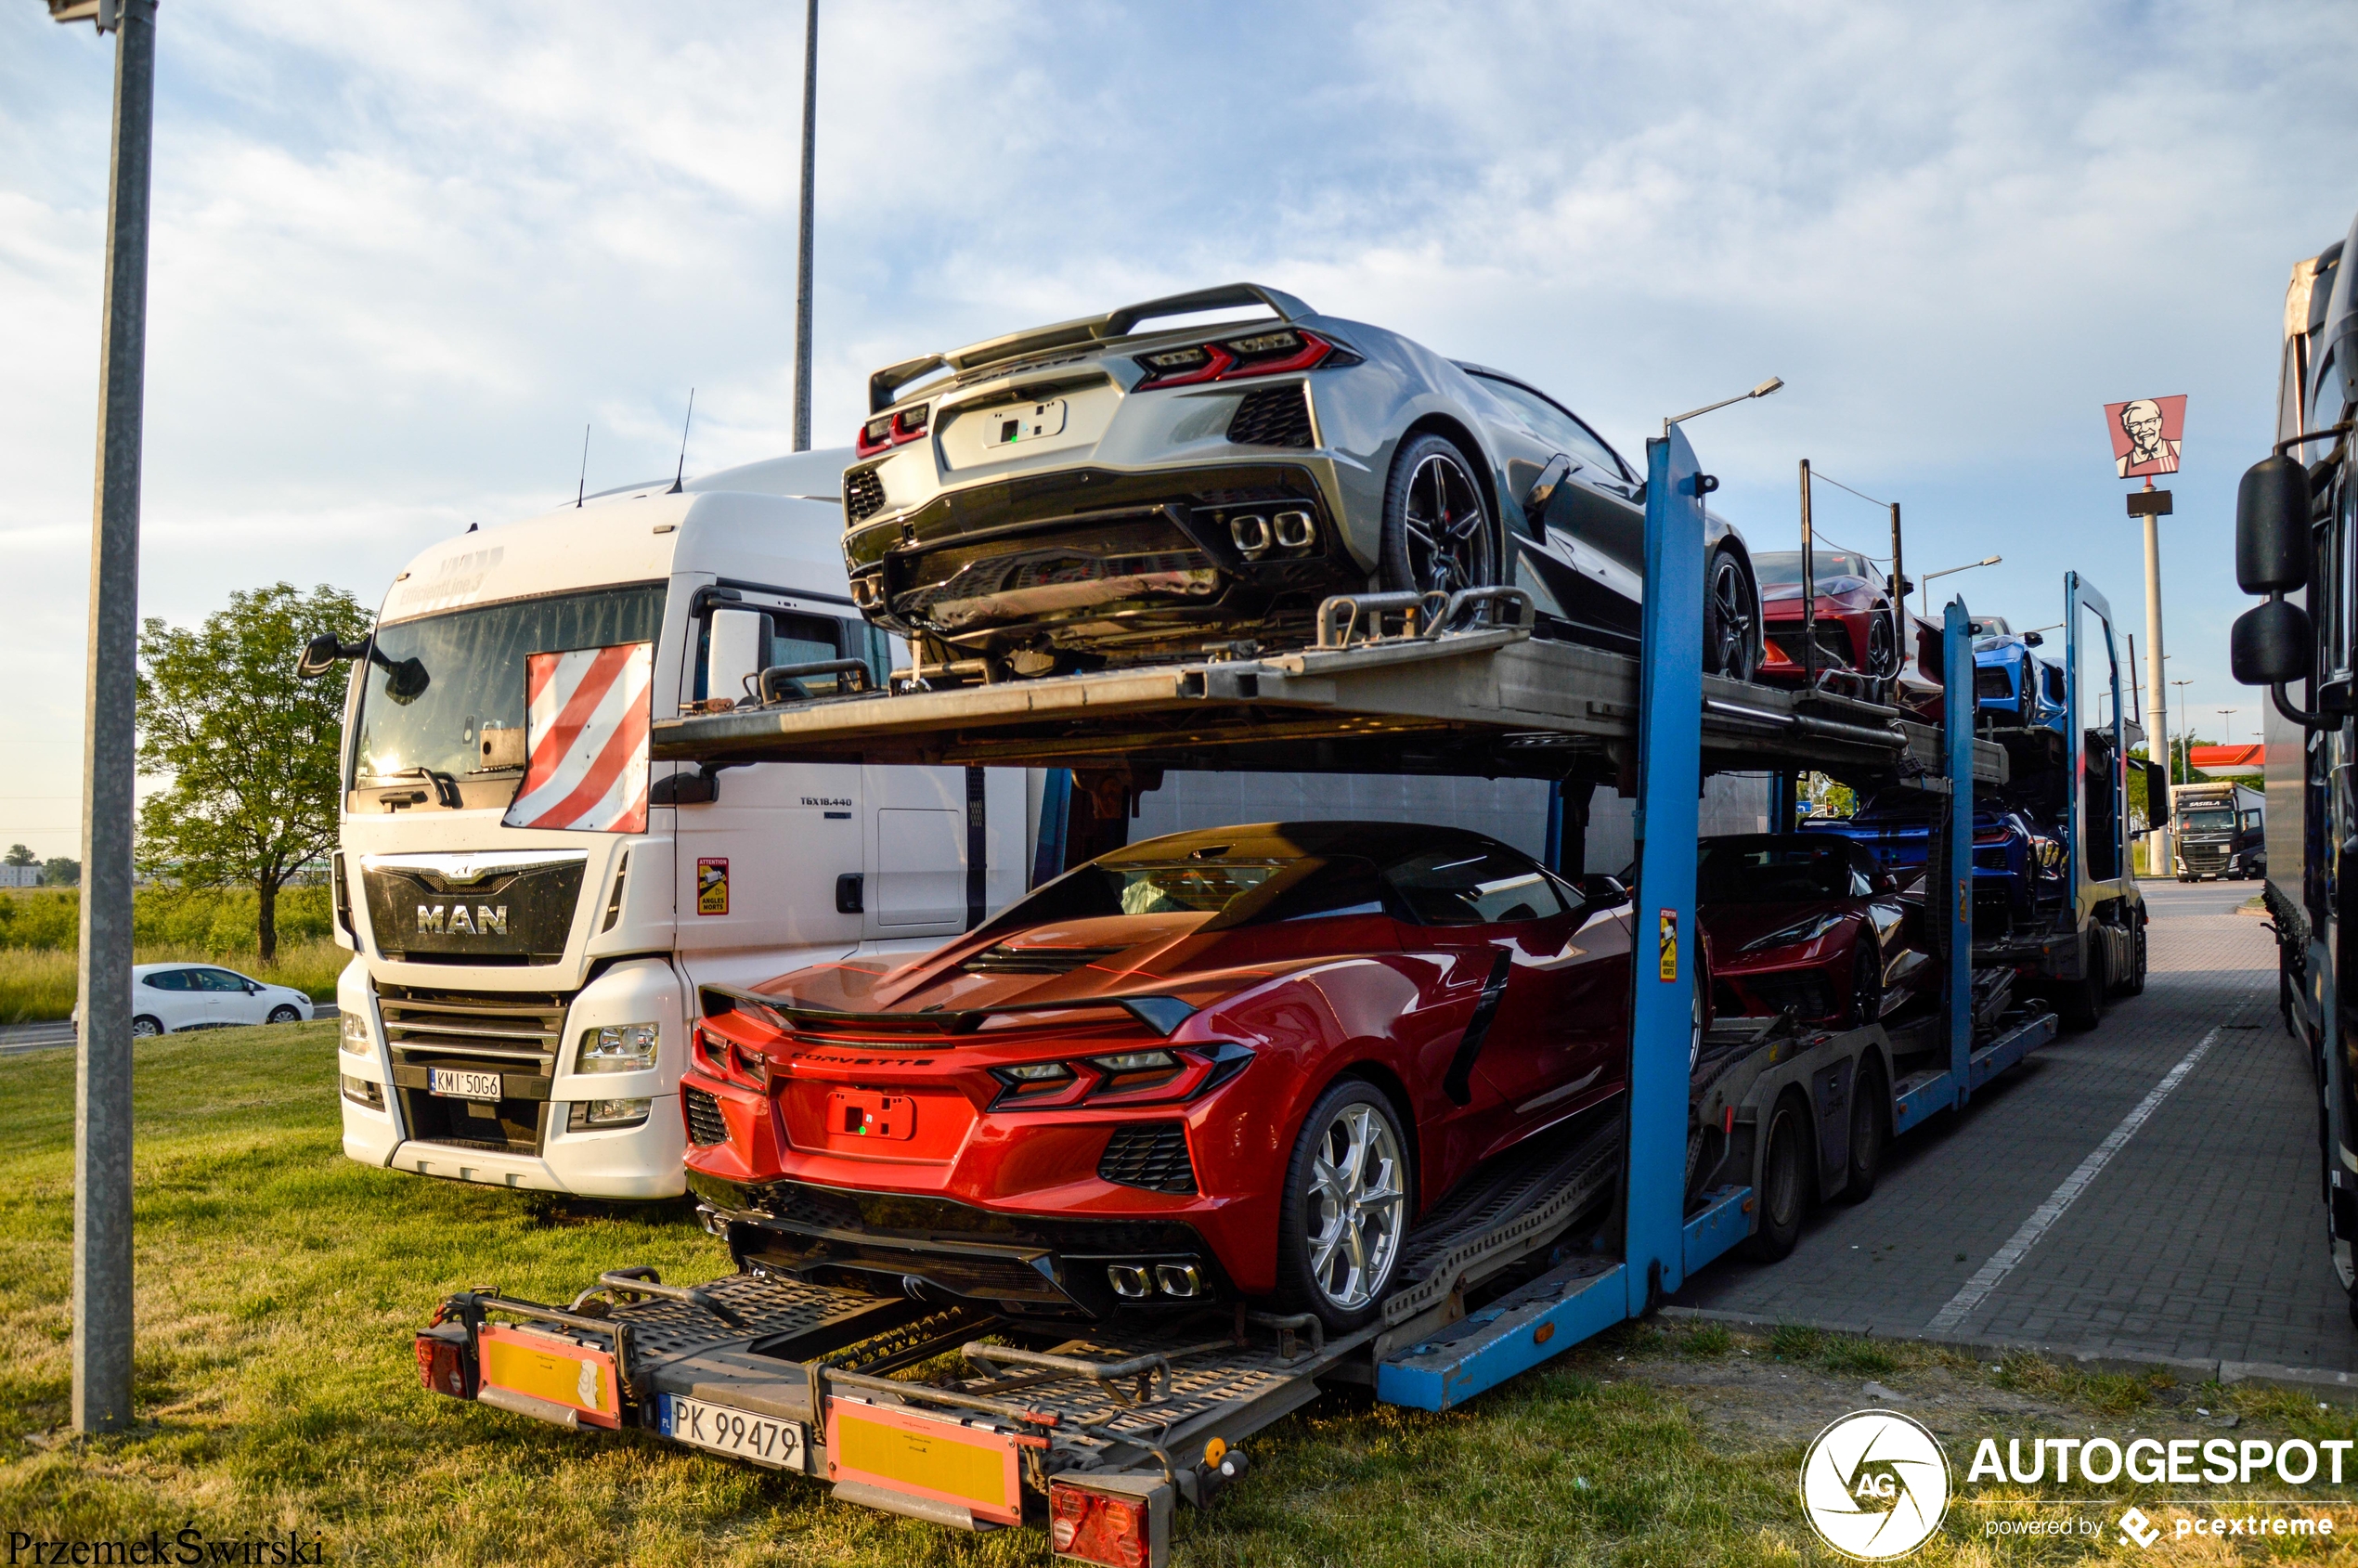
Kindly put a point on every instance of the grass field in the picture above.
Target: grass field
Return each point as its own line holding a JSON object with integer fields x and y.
{"x": 279, "y": 1283}
{"x": 37, "y": 983}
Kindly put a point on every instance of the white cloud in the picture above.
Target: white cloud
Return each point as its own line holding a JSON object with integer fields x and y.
{"x": 402, "y": 251}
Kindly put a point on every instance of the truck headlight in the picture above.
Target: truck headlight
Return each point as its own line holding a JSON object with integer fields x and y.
{"x": 354, "y": 1035}
{"x": 617, "y": 1048}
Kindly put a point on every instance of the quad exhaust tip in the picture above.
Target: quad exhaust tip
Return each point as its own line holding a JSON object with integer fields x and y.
{"x": 1251, "y": 533}
{"x": 1136, "y": 1282}
{"x": 1295, "y": 531}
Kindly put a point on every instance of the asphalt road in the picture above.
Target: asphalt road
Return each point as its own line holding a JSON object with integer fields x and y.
{"x": 16, "y": 1040}
{"x": 2147, "y": 1189}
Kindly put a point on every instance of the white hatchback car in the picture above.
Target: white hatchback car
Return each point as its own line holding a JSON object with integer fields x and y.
{"x": 165, "y": 997}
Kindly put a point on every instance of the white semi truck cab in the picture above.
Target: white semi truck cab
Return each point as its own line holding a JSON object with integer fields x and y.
{"x": 516, "y": 1012}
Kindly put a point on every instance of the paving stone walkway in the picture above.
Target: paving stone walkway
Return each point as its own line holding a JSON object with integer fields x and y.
{"x": 2199, "y": 1236}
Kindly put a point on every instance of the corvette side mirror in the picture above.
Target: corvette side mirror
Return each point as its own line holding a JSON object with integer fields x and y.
{"x": 1603, "y": 892}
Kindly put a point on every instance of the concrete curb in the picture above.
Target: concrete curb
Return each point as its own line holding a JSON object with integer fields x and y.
{"x": 2312, "y": 1381}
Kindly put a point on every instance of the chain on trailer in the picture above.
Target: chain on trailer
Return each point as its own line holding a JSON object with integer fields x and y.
{"x": 978, "y": 1420}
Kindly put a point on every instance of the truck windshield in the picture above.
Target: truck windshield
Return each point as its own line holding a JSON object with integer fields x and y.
{"x": 433, "y": 684}
{"x": 2214, "y": 820}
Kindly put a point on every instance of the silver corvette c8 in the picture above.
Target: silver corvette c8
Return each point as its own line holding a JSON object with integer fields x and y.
{"x": 1101, "y": 492}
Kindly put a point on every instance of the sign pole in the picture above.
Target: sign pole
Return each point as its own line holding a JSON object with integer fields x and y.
{"x": 2153, "y": 505}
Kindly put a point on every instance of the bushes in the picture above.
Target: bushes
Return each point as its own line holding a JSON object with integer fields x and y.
{"x": 36, "y": 986}
{"x": 190, "y": 922}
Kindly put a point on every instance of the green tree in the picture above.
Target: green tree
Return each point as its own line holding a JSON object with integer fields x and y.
{"x": 18, "y": 855}
{"x": 251, "y": 752}
{"x": 61, "y": 871}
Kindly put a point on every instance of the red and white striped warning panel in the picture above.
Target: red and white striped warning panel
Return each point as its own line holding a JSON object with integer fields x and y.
{"x": 586, "y": 739}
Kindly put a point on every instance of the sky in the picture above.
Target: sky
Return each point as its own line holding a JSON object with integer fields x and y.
{"x": 404, "y": 251}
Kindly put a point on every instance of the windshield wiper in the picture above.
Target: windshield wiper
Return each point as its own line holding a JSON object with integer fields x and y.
{"x": 445, "y": 787}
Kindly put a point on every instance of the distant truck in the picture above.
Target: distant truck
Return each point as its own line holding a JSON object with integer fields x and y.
{"x": 2222, "y": 832}
{"x": 532, "y": 904}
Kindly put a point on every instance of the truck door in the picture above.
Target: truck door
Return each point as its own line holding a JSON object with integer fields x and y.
{"x": 929, "y": 825}
{"x": 770, "y": 867}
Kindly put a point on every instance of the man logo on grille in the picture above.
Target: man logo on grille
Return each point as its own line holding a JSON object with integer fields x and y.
{"x": 1875, "y": 1486}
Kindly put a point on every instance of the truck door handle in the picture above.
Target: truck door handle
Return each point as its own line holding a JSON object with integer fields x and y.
{"x": 849, "y": 890}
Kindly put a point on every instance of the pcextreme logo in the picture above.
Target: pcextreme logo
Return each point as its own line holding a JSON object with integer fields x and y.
{"x": 1875, "y": 1486}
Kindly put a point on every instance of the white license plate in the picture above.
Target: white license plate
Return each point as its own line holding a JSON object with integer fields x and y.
{"x": 741, "y": 1434}
{"x": 463, "y": 1085}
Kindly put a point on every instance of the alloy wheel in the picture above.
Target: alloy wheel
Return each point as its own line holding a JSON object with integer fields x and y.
{"x": 1357, "y": 1209}
{"x": 1449, "y": 544}
{"x": 1730, "y": 619}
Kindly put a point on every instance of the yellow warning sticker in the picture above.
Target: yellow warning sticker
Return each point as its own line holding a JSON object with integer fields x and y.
{"x": 1669, "y": 940}
{"x": 712, "y": 886}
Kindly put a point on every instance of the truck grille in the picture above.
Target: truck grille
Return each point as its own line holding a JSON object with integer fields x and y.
{"x": 493, "y": 908}
{"x": 705, "y": 1126}
{"x": 864, "y": 495}
{"x": 517, "y": 1035}
{"x": 1152, "y": 1154}
{"x": 1274, "y": 416}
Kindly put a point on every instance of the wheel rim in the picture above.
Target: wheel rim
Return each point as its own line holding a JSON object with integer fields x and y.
{"x": 1356, "y": 1209}
{"x": 145, "y": 1029}
{"x": 1732, "y": 618}
{"x": 1881, "y": 647}
{"x": 1449, "y": 537}
{"x": 1866, "y": 990}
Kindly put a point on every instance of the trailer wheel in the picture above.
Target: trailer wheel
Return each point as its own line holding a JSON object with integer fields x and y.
{"x": 2081, "y": 1002}
{"x": 1784, "y": 1183}
{"x": 1870, "y": 1129}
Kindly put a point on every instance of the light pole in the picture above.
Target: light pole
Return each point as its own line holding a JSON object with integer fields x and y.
{"x": 802, "y": 265}
{"x": 101, "y": 1399}
{"x": 2186, "y": 755}
{"x": 1924, "y": 598}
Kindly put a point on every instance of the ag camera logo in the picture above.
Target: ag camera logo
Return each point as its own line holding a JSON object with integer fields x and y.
{"x": 1875, "y": 1486}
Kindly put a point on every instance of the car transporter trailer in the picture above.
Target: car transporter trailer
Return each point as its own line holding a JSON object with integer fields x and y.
{"x": 1100, "y": 1429}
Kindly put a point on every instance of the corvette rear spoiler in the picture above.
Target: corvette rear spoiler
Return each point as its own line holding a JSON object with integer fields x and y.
{"x": 883, "y": 387}
{"x": 1161, "y": 1014}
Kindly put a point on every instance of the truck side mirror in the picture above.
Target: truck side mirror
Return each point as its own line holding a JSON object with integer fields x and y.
{"x": 2271, "y": 529}
{"x": 2156, "y": 792}
{"x": 325, "y": 652}
{"x": 2269, "y": 644}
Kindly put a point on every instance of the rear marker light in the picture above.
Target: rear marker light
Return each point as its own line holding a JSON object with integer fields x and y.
{"x": 1088, "y": 1526}
{"x": 442, "y": 1364}
{"x": 1136, "y": 1061}
{"x": 887, "y": 431}
{"x": 1262, "y": 353}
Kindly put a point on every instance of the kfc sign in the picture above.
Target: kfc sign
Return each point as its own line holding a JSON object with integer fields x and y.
{"x": 2145, "y": 433}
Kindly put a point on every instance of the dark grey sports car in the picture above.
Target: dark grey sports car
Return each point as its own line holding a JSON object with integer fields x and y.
{"x": 1101, "y": 491}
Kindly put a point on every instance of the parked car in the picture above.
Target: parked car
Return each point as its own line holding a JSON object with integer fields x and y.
{"x": 2018, "y": 870}
{"x": 1098, "y": 491}
{"x": 168, "y": 997}
{"x": 1224, "y": 1064}
{"x": 2016, "y": 686}
{"x": 1861, "y": 624}
{"x": 1809, "y": 922}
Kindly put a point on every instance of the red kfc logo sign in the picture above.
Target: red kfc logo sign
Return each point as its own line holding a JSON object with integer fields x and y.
{"x": 2145, "y": 433}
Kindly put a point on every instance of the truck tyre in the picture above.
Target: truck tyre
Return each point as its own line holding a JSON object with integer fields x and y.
{"x": 2135, "y": 984}
{"x": 1870, "y": 1129}
{"x": 1784, "y": 1182}
{"x": 2081, "y": 1002}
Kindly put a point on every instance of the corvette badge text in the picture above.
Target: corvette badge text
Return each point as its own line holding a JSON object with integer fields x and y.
{"x": 1875, "y": 1485}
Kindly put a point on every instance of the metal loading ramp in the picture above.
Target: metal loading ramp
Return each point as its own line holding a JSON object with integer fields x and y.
{"x": 1490, "y": 702}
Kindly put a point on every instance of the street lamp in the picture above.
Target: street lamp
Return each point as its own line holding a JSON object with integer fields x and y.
{"x": 1924, "y": 597}
{"x": 1772, "y": 384}
{"x": 101, "y": 1354}
{"x": 2185, "y": 753}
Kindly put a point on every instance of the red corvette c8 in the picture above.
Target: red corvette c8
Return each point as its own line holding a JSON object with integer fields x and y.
{"x": 1225, "y": 1064}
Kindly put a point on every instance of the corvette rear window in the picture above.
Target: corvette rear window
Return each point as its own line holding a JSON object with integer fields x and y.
{"x": 1779, "y": 874}
{"x": 1187, "y": 887}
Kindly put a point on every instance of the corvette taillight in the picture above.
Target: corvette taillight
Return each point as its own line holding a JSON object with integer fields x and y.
{"x": 887, "y": 431}
{"x": 1256, "y": 354}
